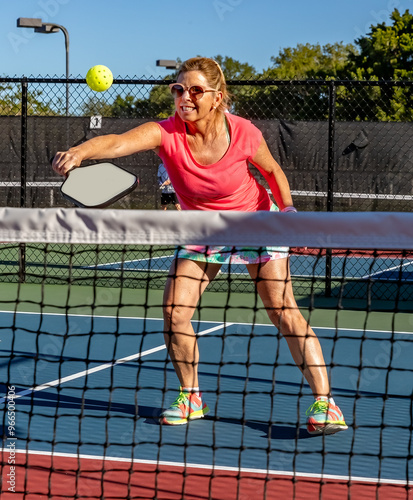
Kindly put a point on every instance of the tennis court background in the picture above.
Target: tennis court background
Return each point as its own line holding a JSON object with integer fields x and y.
{"x": 305, "y": 132}
{"x": 371, "y": 373}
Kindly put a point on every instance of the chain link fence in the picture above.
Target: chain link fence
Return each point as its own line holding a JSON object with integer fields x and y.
{"x": 344, "y": 145}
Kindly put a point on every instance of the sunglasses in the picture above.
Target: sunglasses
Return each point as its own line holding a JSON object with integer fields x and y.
{"x": 195, "y": 92}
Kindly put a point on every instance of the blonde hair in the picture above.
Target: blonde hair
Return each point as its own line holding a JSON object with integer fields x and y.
{"x": 213, "y": 73}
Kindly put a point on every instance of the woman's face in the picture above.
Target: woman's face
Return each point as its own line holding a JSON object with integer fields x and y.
{"x": 192, "y": 108}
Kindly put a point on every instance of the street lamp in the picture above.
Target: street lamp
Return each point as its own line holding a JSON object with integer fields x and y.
{"x": 41, "y": 27}
{"x": 168, "y": 63}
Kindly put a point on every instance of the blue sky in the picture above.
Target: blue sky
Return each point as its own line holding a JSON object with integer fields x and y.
{"x": 129, "y": 36}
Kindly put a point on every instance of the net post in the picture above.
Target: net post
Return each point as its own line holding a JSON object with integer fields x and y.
{"x": 332, "y": 94}
{"x": 23, "y": 173}
{"x": 23, "y": 144}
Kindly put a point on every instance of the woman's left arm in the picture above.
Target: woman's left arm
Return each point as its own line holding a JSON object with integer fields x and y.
{"x": 274, "y": 175}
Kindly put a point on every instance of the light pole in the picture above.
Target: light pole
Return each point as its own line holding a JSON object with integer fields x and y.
{"x": 168, "y": 63}
{"x": 41, "y": 27}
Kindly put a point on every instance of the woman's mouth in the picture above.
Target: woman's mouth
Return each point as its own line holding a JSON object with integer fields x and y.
{"x": 187, "y": 109}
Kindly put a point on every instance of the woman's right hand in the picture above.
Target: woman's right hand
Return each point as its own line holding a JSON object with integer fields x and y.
{"x": 64, "y": 161}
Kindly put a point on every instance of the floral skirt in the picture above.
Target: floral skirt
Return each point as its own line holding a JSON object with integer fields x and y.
{"x": 233, "y": 255}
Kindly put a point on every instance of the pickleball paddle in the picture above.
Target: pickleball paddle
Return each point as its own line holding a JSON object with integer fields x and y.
{"x": 98, "y": 185}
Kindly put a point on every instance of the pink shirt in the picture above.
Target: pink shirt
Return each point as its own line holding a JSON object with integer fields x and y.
{"x": 225, "y": 185}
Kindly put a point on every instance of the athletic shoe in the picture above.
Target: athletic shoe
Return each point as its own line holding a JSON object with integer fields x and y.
{"x": 187, "y": 406}
{"x": 324, "y": 418}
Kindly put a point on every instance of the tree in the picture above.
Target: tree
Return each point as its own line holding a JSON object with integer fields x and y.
{"x": 297, "y": 102}
{"x": 385, "y": 53}
{"x": 158, "y": 105}
{"x": 97, "y": 106}
{"x": 11, "y": 102}
{"x": 310, "y": 62}
{"x": 235, "y": 70}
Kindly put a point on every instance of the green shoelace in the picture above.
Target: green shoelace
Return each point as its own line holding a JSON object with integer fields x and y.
{"x": 180, "y": 399}
{"x": 317, "y": 407}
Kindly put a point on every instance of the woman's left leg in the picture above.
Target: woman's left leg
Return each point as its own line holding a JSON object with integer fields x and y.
{"x": 273, "y": 283}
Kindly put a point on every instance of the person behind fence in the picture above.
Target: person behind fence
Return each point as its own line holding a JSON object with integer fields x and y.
{"x": 168, "y": 195}
{"x": 206, "y": 151}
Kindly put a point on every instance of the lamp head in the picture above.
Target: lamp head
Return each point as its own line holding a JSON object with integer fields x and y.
{"x": 29, "y": 22}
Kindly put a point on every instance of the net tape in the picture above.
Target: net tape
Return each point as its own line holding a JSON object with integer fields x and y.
{"x": 306, "y": 229}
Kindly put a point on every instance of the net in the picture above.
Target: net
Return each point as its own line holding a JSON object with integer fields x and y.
{"x": 85, "y": 373}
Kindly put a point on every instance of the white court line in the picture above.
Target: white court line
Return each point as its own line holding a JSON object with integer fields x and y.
{"x": 377, "y": 273}
{"x": 109, "y": 316}
{"x": 105, "y": 366}
{"x": 120, "y": 263}
{"x": 282, "y": 473}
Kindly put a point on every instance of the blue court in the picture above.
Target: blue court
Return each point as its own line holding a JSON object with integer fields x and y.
{"x": 109, "y": 405}
{"x": 305, "y": 266}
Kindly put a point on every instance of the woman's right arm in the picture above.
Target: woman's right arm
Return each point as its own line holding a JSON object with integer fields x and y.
{"x": 143, "y": 138}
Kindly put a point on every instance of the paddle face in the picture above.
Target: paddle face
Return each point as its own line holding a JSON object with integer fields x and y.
{"x": 97, "y": 186}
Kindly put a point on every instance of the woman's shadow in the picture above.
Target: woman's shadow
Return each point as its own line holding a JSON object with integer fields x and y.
{"x": 275, "y": 431}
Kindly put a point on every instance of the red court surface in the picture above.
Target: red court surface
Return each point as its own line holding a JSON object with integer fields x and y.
{"x": 60, "y": 477}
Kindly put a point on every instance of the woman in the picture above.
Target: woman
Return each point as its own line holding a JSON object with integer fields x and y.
{"x": 206, "y": 151}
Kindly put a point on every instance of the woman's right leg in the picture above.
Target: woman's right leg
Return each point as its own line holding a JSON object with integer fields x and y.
{"x": 186, "y": 282}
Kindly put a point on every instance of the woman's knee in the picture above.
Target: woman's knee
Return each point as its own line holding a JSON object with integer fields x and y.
{"x": 176, "y": 316}
{"x": 286, "y": 319}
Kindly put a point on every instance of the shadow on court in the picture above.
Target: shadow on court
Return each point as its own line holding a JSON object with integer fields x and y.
{"x": 277, "y": 431}
{"x": 152, "y": 414}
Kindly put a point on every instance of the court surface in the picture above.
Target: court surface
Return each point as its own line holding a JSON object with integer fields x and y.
{"x": 385, "y": 267}
{"x": 108, "y": 407}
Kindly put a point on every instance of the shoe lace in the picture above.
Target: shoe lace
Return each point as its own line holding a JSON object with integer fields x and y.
{"x": 317, "y": 407}
{"x": 180, "y": 399}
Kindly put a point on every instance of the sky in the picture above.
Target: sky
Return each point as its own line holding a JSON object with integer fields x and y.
{"x": 129, "y": 36}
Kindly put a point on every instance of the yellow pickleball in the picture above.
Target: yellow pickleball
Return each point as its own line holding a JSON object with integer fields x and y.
{"x": 99, "y": 78}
